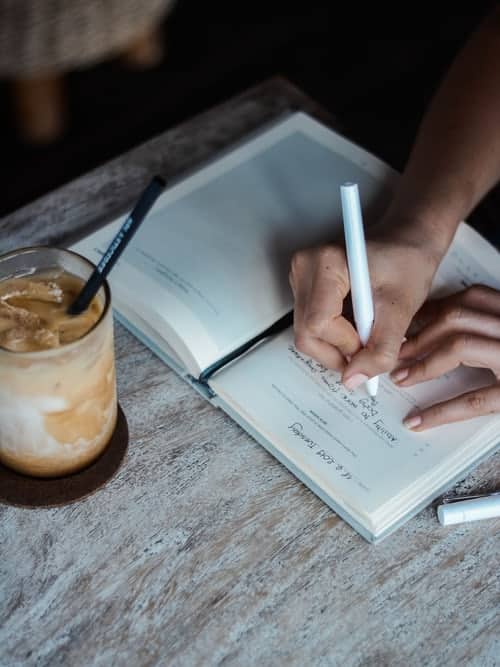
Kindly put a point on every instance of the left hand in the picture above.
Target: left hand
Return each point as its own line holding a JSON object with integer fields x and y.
{"x": 462, "y": 329}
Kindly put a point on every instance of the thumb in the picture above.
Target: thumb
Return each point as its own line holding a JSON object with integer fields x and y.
{"x": 380, "y": 355}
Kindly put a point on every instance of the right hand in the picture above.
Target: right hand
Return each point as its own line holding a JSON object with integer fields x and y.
{"x": 401, "y": 274}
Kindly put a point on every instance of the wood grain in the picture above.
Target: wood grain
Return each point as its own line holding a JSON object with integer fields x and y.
{"x": 204, "y": 550}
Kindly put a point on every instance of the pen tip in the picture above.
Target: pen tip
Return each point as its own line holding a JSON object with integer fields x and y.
{"x": 372, "y": 386}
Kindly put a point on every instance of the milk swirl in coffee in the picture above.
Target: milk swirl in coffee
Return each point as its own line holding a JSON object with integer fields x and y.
{"x": 57, "y": 375}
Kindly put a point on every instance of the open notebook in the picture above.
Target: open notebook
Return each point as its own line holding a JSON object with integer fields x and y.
{"x": 204, "y": 283}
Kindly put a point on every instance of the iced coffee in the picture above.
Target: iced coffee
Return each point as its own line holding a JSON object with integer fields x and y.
{"x": 58, "y": 402}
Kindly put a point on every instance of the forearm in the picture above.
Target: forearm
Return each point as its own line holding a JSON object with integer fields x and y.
{"x": 455, "y": 160}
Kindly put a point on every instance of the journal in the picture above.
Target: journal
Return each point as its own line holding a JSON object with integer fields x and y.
{"x": 213, "y": 256}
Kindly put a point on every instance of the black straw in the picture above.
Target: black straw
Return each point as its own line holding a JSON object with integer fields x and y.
{"x": 117, "y": 246}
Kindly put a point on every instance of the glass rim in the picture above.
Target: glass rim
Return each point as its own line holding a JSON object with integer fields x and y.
{"x": 107, "y": 301}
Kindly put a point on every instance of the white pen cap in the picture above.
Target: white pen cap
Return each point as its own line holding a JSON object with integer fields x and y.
{"x": 475, "y": 509}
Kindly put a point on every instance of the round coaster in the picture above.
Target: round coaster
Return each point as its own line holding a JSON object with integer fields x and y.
{"x": 24, "y": 491}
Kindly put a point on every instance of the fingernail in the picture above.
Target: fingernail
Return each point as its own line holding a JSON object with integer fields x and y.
{"x": 413, "y": 422}
{"x": 400, "y": 374}
{"x": 355, "y": 381}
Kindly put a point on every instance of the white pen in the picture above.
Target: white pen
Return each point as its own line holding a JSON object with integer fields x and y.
{"x": 469, "y": 508}
{"x": 357, "y": 261}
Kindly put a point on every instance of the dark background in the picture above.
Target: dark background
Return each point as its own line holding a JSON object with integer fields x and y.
{"x": 375, "y": 69}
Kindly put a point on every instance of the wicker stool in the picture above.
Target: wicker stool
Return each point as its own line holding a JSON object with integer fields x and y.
{"x": 41, "y": 40}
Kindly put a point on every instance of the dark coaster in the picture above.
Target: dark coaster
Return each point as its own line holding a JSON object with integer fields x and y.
{"x": 24, "y": 491}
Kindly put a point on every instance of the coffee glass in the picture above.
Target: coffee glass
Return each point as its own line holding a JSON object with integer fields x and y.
{"x": 58, "y": 406}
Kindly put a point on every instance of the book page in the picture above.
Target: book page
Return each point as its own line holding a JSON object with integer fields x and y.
{"x": 354, "y": 447}
{"x": 469, "y": 260}
{"x": 218, "y": 244}
{"x": 349, "y": 443}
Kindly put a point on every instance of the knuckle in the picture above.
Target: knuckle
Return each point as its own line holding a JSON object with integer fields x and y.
{"x": 299, "y": 259}
{"x": 347, "y": 344}
{"x": 385, "y": 359}
{"x": 459, "y": 343}
{"x": 302, "y": 343}
{"x": 436, "y": 413}
{"x": 328, "y": 254}
{"x": 315, "y": 324}
{"x": 453, "y": 314}
{"x": 476, "y": 402}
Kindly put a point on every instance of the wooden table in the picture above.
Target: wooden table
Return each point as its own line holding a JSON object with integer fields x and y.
{"x": 203, "y": 550}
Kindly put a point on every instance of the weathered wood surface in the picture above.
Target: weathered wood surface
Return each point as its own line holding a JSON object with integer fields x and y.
{"x": 204, "y": 550}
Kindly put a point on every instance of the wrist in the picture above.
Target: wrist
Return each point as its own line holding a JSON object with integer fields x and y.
{"x": 424, "y": 232}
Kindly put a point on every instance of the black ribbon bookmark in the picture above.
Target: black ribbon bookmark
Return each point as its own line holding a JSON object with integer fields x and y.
{"x": 282, "y": 324}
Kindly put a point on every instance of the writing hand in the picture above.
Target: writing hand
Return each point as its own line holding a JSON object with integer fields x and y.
{"x": 463, "y": 329}
{"x": 401, "y": 274}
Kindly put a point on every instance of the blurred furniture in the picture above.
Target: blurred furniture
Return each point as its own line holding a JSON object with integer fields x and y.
{"x": 41, "y": 40}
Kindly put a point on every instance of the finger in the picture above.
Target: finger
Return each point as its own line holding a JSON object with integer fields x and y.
{"x": 300, "y": 282}
{"x": 340, "y": 333}
{"x": 466, "y": 349}
{"x": 453, "y": 320}
{"x": 300, "y": 279}
{"x": 476, "y": 403}
{"x": 323, "y": 352}
{"x": 382, "y": 350}
{"x": 323, "y": 313}
{"x": 477, "y": 297}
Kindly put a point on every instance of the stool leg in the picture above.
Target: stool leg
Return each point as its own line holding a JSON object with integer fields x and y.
{"x": 40, "y": 107}
{"x": 146, "y": 50}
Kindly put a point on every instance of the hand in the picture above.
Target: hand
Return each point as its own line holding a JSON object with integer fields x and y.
{"x": 401, "y": 273}
{"x": 463, "y": 329}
